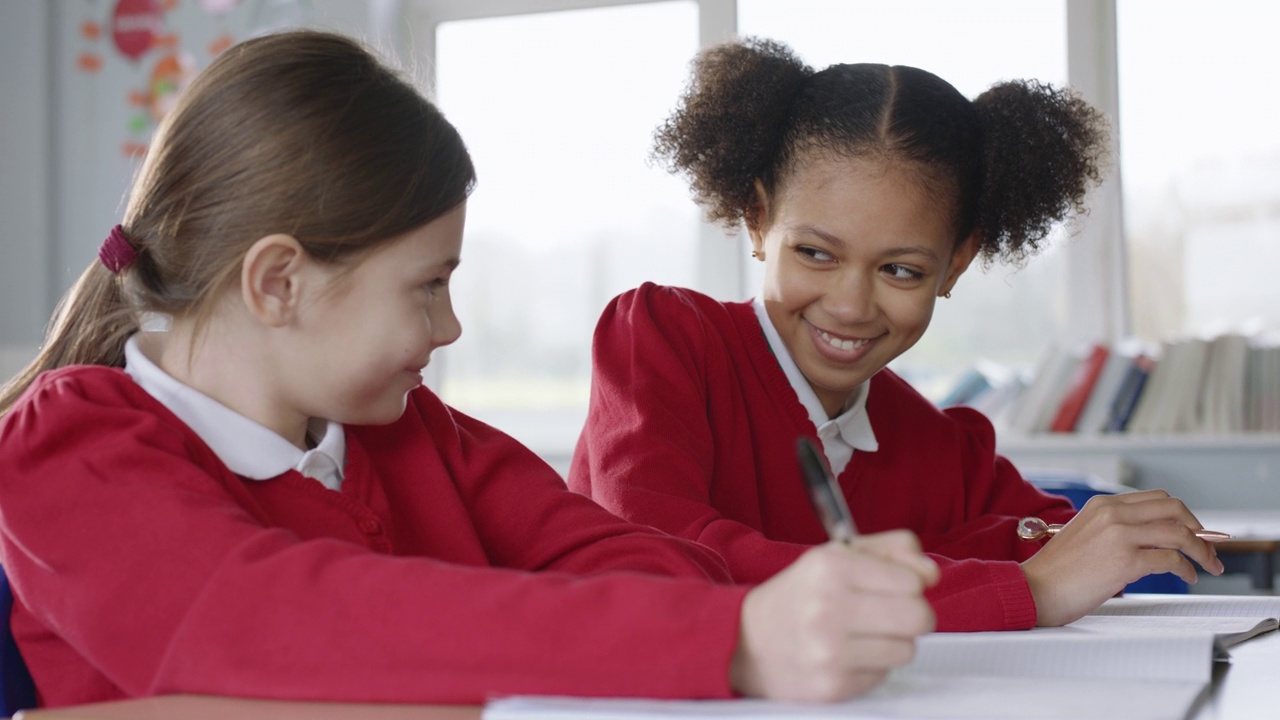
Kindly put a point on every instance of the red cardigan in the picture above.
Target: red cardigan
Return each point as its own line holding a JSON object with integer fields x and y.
{"x": 141, "y": 566}
{"x": 692, "y": 430}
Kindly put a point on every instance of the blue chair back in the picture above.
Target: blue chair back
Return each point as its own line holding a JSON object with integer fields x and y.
{"x": 17, "y": 691}
{"x": 1078, "y": 488}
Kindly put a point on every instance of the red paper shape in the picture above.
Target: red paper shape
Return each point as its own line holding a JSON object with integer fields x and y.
{"x": 135, "y": 25}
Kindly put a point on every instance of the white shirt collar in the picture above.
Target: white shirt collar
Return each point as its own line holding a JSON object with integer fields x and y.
{"x": 248, "y": 448}
{"x": 852, "y": 424}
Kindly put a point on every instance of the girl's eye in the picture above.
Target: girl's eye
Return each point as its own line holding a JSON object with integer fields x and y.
{"x": 813, "y": 253}
{"x": 434, "y": 287}
{"x": 899, "y": 272}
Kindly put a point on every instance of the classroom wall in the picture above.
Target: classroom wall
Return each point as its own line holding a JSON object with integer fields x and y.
{"x": 25, "y": 177}
{"x": 64, "y": 168}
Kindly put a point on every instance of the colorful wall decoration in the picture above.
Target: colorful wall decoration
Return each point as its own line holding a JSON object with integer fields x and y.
{"x": 158, "y": 46}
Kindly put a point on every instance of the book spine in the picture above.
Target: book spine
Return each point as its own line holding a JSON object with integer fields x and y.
{"x": 1129, "y": 394}
{"x": 1079, "y": 388}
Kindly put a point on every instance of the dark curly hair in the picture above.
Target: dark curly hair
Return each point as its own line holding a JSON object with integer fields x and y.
{"x": 1011, "y": 163}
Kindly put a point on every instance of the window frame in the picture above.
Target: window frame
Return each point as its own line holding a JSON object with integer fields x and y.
{"x": 1095, "y": 259}
{"x": 1097, "y": 262}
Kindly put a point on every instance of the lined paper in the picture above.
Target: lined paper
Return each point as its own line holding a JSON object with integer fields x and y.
{"x": 1255, "y": 606}
{"x": 1143, "y": 657}
{"x": 1062, "y": 652}
{"x": 937, "y": 698}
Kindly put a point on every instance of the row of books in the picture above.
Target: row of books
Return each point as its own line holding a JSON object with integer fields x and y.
{"x": 1225, "y": 384}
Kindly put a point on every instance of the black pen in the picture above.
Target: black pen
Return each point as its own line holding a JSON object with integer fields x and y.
{"x": 825, "y": 494}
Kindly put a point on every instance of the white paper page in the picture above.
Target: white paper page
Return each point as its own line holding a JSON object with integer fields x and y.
{"x": 1163, "y": 624}
{"x": 1252, "y": 606}
{"x": 1077, "y": 653}
{"x": 918, "y": 697}
{"x": 1227, "y": 631}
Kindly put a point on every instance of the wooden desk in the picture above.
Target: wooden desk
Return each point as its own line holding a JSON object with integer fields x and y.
{"x": 1241, "y": 690}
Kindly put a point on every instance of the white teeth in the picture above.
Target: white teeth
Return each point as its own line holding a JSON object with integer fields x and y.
{"x": 840, "y": 344}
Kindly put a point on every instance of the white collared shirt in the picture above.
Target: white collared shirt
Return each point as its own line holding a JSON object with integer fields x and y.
{"x": 841, "y": 435}
{"x": 247, "y": 448}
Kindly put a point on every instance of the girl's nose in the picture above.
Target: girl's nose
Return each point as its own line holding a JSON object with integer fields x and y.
{"x": 851, "y": 299}
{"x": 445, "y": 327}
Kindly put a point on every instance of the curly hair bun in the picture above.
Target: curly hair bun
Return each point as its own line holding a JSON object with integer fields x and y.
{"x": 1043, "y": 148}
{"x": 726, "y": 131}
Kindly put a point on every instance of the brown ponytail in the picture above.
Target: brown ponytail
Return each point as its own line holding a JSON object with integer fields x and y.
{"x": 89, "y": 327}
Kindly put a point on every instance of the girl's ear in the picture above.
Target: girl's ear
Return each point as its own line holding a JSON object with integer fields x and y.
{"x": 964, "y": 254}
{"x": 272, "y": 278}
{"x": 756, "y": 219}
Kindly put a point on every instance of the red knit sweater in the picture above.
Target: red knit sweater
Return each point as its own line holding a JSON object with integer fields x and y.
{"x": 141, "y": 565}
{"x": 692, "y": 430}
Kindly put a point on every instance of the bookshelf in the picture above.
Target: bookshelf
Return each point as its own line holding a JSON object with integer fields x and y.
{"x": 1219, "y": 471}
{"x": 1197, "y": 416}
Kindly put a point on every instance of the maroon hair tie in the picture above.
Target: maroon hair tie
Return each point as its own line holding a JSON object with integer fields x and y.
{"x": 116, "y": 253}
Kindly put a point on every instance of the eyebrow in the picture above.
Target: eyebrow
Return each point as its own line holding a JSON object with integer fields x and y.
{"x": 839, "y": 243}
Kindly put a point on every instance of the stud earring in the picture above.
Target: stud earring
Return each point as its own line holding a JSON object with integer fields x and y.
{"x": 947, "y": 294}
{"x": 757, "y": 254}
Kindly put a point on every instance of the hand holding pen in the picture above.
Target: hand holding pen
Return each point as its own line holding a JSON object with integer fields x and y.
{"x": 834, "y": 623}
{"x": 1113, "y": 541}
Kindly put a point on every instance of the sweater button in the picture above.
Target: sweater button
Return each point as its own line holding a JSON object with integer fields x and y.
{"x": 370, "y": 526}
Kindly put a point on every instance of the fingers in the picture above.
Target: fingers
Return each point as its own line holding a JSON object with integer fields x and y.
{"x": 858, "y": 594}
{"x": 1168, "y": 561}
{"x": 875, "y": 615}
{"x": 855, "y": 569}
{"x": 903, "y": 548}
{"x": 835, "y": 622}
{"x": 1173, "y": 537}
{"x": 855, "y": 593}
{"x": 1152, "y": 519}
{"x": 1129, "y": 497}
{"x": 1158, "y": 507}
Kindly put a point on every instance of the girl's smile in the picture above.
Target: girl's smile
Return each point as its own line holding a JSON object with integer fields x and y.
{"x": 839, "y": 348}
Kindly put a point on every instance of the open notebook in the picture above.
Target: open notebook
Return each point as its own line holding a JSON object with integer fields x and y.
{"x": 1141, "y": 656}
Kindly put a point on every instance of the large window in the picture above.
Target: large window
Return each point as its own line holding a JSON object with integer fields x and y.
{"x": 558, "y": 110}
{"x": 1200, "y": 148}
{"x": 1004, "y": 315}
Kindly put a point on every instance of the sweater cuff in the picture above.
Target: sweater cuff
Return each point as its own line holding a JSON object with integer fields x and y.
{"x": 1014, "y": 595}
{"x": 978, "y": 595}
{"x": 722, "y": 621}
